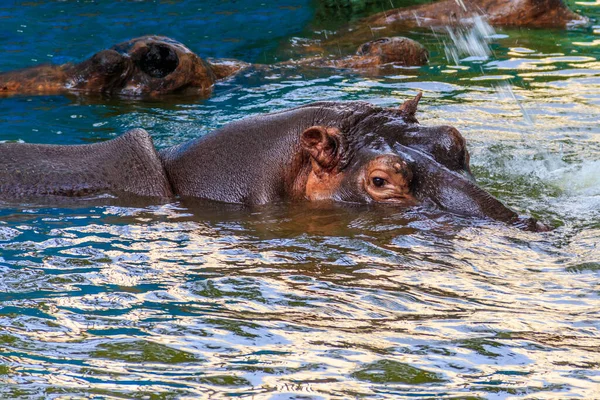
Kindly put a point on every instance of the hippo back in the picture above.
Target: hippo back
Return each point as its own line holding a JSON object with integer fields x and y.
{"x": 127, "y": 165}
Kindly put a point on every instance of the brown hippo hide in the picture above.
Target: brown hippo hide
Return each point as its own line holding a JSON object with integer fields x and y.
{"x": 530, "y": 13}
{"x": 350, "y": 152}
{"x": 375, "y": 53}
{"x": 155, "y": 65}
{"x": 149, "y": 65}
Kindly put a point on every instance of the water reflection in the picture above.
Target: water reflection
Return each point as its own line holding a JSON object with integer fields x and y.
{"x": 230, "y": 296}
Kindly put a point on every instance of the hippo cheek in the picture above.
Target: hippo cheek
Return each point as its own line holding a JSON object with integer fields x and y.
{"x": 324, "y": 187}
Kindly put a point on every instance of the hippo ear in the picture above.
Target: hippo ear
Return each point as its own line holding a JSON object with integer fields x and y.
{"x": 409, "y": 108}
{"x": 323, "y": 145}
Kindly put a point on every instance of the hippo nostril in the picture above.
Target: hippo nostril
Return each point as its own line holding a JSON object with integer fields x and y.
{"x": 158, "y": 60}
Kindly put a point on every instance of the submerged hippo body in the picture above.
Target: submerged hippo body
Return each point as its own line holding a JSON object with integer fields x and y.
{"x": 526, "y": 13}
{"x": 127, "y": 165}
{"x": 345, "y": 152}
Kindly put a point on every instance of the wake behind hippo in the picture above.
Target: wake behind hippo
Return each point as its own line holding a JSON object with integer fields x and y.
{"x": 331, "y": 151}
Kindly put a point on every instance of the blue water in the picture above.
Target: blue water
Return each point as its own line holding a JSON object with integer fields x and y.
{"x": 182, "y": 301}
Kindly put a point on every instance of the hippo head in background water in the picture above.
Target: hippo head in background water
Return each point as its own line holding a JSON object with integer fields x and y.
{"x": 148, "y": 65}
{"x": 157, "y": 65}
{"x": 143, "y": 65}
{"x": 395, "y": 50}
{"x": 349, "y": 152}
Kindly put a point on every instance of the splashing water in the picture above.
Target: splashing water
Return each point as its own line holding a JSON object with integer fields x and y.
{"x": 472, "y": 41}
{"x": 573, "y": 179}
{"x": 505, "y": 91}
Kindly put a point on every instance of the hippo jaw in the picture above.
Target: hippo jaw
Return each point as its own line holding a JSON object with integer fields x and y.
{"x": 458, "y": 194}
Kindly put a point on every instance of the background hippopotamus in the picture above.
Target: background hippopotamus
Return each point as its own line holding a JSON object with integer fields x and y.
{"x": 155, "y": 65}
{"x": 530, "y": 13}
{"x": 395, "y": 50}
{"x": 331, "y": 151}
{"x": 446, "y": 14}
{"x": 149, "y": 65}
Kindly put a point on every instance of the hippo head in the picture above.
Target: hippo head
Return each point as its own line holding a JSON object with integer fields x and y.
{"x": 375, "y": 173}
{"x": 146, "y": 65}
{"x": 387, "y": 157}
{"x": 399, "y": 50}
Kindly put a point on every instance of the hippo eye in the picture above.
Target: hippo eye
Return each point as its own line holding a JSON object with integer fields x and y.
{"x": 382, "y": 40}
{"x": 378, "y": 182}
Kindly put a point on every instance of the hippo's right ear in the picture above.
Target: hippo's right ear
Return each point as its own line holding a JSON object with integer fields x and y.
{"x": 408, "y": 109}
{"x": 323, "y": 145}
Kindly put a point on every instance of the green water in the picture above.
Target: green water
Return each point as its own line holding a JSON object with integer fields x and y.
{"x": 164, "y": 301}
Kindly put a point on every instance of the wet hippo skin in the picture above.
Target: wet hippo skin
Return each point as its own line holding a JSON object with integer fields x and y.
{"x": 350, "y": 152}
{"x": 527, "y": 13}
{"x": 126, "y": 165}
{"x": 149, "y": 65}
{"x": 157, "y": 65}
{"x": 395, "y": 50}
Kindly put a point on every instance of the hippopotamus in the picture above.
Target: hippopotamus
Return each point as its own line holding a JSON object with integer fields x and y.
{"x": 449, "y": 14}
{"x": 148, "y": 65}
{"x": 157, "y": 65}
{"x": 395, "y": 50}
{"x": 525, "y": 13}
{"x": 350, "y": 152}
